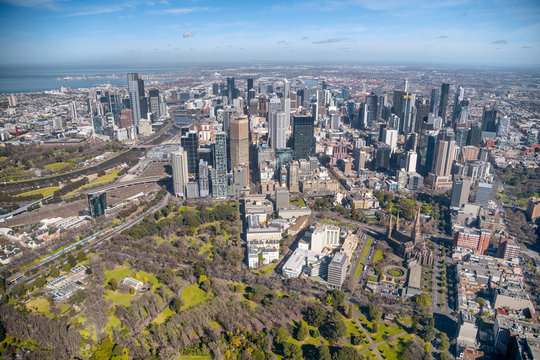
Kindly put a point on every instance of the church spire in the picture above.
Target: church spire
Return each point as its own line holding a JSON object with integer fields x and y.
{"x": 389, "y": 228}
{"x": 397, "y": 221}
{"x": 415, "y": 234}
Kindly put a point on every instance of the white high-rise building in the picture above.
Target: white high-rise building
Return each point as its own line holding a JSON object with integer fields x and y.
{"x": 180, "y": 172}
{"x": 73, "y": 110}
{"x": 324, "y": 236}
{"x": 134, "y": 97}
{"x": 390, "y": 138}
{"x": 411, "y": 161}
{"x": 278, "y": 130}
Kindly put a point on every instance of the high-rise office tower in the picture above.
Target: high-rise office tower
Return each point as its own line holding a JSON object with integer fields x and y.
{"x": 462, "y": 116}
{"x": 219, "y": 173}
{"x": 279, "y": 130}
{"x": 503, "y": 126}
{"x": 431, "y": 145}
{"x": 303, "y": 143}
{"x": 190, "y": 143}
{"x": 335, "y": 121}
{"x": 489, "y": 118}
{"x": 397, "y": 102}
{"x": 434, "y": 101}
{"x": 475, "y": 135}
{"x": 12, "y": 100}
{"x": 461, "y": 136}
{"x": 483, "y": 193}
{"x": 180, "y": 172}
{"x": 443, "y": 103}
{"x": 228, "y": 113}
{"x": 370, "y": 108}
{"x": 412, "y": 158}
{"x": 382, "y": 156}
{"x": 97, "y": 203}
{"x": 345, "y": 93}
{"x": 460, "y": 192}
{"x": 444, "y": 155}
{"x": 134, "y": 97}
{"x": 231, "y": 90}
{"x": 390, "y": 137}
{"x": 239, "y": 141}
{"x": 293, "y": 178}
{"x": 249, "y": 85}
{"x": 204, "y": 186}
{"x": 153, "y": 100}
{"x": 412, "y": 142}
{"x": 286, "y": 88}
{"x": 73, "y": 110}
{"x": 274, "y": 106}
{"x": 458, "y": 98}
{"x": 360, "y": 157}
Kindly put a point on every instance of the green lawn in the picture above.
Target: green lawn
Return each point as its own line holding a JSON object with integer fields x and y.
{"x": 119, "y": 272}
{"x": 192, "y": 296}
{"x": 113, "y": 322}
{"x": 163, "y": 316}
{"x": 56, "y": 166}
{"x": 105, "y": 179}
{"x": 266, "y": 270}
{"x": 40, "y": 305}
{"x": 44, "y": 192}
{"x": 378, "y": 256}
{"x": 116, "y": 297}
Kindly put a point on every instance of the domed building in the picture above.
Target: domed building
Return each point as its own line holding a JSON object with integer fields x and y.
{"x": 409, "y": 246}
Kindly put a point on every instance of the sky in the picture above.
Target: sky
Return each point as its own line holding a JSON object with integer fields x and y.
{"x": 468, "y": 32}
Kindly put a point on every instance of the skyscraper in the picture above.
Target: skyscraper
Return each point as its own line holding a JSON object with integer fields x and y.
{"x": 190, "y": 143}
{"x": 458, "y": 98}
{"x": 489, "y": 119}
{"x": 97, "y": 203}
{"x": 460, "y": 192}
{"x": 204, "y": 186}
{"x": 180, "y": 172}
{"x": 239, "y": 141}
{"x": 134, "y": 97}
{"x": 445, "y": 88}
{"x": 503, "y": 126}
{"x": 278, "y": 130}
{"x": 444, "y": 155}
{"x": 382, "y": 156}
{"x": 219, "y": 173}
{"x": 412, "y": 158}
{"x": 483, "y": 194}
{"x": 231, "y": 90}
{"x": 434, "y": 101}
{"x": 303, "y": 136}
{"x": 153, "y": 100}
{"x": 126, "y": 118}
{"x": 370, "y": 108}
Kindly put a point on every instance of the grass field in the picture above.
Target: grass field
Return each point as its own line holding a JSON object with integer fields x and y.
{"x": 359, "y": 268}
{"x": 40, "y": 305}
{"x": 56, "y": 166}
{"x": 146, "y": 278}
{"x": 113, "y": 322}
{"x": 105, "y": 179}
{"x": 44, "y": 192}
{"x": 163, "y": 316}
{"x": 118, "y": 273}
{"x": 192, "y": 296}
{"x": 266, "y": 270}
{"x": 117, "y": 297}
{"x": 377, "y": 257}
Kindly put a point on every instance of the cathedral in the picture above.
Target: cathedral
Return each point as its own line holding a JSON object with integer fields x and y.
{"x": 409, "y": 246}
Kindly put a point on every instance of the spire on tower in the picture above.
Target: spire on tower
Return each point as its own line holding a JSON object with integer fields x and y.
{"x": 415, "y": 233}
{"x": 397, "y": 221}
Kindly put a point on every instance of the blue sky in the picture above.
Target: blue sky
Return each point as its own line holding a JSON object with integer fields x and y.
{"x": 364, "y": 31}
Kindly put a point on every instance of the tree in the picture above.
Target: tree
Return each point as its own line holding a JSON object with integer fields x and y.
{"x": 346, "y": 353}
{"x": 339, "y": 297}
{"x": 77, "y": 297}
{"x": 39, "y": 282}
{"x": 424, "y": 299}
{"x": 480, "y": 300}
{"x": 281, "y": 336}
{"x": 429, "y": 333}
{"x": 324, "y": 353}
{"x": 113, "y": 285}
{"x": 81, "y": 256}
{"x": 356, "y": 339}
{"x": 373, "y": 312}
{"x": 315, "y": 315}
{"x": 54, "y": 272}
{"x": 292, "y": 351}
{"x": 2, "y": 332}
{"x": 374, "y": 327}
{"x": 302, "y": 331}
{"x": 71, "y": 260}
{"x": 334, "y": 328}
{"x": 176, "y": 304}
{"x": 414, "y": 324}
{"x": 445, "y": 345}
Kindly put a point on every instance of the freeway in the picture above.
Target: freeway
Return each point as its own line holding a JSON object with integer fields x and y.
{"x": 91, "y": 242}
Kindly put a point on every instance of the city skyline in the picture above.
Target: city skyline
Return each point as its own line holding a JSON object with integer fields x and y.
{"x": 45, "y": 32}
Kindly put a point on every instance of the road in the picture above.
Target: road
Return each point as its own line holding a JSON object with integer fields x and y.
{"x": 90, "y": 244}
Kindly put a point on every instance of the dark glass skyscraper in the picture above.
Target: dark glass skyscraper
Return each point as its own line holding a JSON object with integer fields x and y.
{"x": 97, "y": 203}
{"x": 219, "y": 173}
{"x": 190, "y": 143}
{"x": 231, "y": 90}
{"x": 489, "y": 119}
{"x": 303, "y": 143}
{"x": 443, "y": 104}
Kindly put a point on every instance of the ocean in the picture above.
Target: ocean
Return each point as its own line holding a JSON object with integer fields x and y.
{"x": 18, "y": 79}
